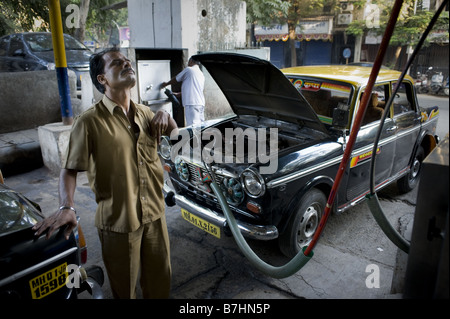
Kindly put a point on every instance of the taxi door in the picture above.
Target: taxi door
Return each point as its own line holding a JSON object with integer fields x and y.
{"x": 359, "y": 166}
{"x": 407, "y": 123}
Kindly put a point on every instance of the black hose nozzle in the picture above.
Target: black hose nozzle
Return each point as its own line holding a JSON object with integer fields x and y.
{"x": 172, "y": 97}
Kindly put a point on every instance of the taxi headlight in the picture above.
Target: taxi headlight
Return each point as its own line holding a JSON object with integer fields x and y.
{"x": 253, "y": 183}
{"x": 165, "y": 147}
{"x": 51, "y": 66}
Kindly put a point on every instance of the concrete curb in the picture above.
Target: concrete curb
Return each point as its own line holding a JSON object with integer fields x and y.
{"x": 20, "y": 152}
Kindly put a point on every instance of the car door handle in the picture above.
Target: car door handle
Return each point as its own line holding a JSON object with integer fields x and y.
{"x": 391, "y": 129}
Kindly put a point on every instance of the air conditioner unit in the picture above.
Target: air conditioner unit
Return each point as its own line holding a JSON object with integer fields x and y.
{"x": 345, "y": 6}
{"x": 345, "y": 18}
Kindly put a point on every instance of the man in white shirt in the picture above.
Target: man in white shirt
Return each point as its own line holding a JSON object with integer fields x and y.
{"x": 192, "y": 85}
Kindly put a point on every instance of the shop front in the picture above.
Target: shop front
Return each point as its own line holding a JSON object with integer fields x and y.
{"x": 313, "y": 42}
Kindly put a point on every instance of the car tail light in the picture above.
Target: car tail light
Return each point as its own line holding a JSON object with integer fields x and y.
{"x": 81, "y": 242}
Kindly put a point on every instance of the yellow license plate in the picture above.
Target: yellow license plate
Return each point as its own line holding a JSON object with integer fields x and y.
{"x": 48, "y": 282}
{"x": 201, "y": 223}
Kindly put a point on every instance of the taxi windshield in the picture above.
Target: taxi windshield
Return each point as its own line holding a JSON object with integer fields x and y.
{"x": 324, "y": 96}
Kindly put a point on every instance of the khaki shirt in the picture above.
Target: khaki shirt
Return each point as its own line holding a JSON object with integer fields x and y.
{"x": 124, "y": 171}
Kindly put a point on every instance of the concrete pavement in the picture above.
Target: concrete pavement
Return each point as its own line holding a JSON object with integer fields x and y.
{"x": 351, "y": 251}
{"x": 353, "y": 259}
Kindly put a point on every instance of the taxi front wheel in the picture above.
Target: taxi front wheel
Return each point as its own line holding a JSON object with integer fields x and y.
{"x": 303, "y": 223}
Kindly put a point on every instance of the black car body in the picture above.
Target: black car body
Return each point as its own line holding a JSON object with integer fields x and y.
{"x": 35, "y": 267}
{"x": 33, "y": 51}
{"x": 312, "y": 110}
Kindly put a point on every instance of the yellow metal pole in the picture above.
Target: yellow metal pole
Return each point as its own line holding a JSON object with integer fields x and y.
{"x": 60, "y": 61}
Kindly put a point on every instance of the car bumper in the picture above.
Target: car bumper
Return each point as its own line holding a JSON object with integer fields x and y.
{"x": 258, "y": 232}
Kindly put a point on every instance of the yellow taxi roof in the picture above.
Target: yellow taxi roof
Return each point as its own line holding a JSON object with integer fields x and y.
{"x": 355, "y": 75}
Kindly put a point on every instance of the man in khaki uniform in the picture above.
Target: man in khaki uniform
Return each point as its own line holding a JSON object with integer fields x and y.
{"x": 115, "y": 141}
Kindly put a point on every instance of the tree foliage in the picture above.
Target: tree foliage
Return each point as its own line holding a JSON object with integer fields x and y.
{"x": 101, "y": 23}
{"x": 409, "y": 27}
{"x": 33, "y": 15}
{"x": 23, "y": 15}
{"x": 300, "y": 9}
{"x": 266, "y": 12}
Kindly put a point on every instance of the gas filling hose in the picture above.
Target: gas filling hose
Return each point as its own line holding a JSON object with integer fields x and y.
{"x": 372, "y": 198}
{"x": 294, "y": 265}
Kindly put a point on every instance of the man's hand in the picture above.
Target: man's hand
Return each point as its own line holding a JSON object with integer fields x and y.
{"x": 159, "y": 124}
{"x": 55, "y": 221}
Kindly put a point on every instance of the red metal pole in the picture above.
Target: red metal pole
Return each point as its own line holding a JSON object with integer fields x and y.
{"x": 357, "y": 122}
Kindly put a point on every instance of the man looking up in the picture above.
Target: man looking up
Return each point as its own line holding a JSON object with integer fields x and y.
{"x": 115, "y": 141}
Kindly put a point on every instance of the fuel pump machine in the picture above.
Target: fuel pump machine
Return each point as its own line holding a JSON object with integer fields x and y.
{"x": 153, "y": 67}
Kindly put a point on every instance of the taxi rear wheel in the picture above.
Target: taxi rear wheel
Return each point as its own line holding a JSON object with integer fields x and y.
{"x": 303, "y": 223}
{"x": 408, "y": 182}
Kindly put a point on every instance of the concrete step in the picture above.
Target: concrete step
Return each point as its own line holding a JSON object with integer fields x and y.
{"x": 20, "y": 152}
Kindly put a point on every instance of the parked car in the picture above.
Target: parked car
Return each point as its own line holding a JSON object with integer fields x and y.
{"x": 33, "y": 51}
{"x": 303, "y": 115}
{"x": 38, "y": 268}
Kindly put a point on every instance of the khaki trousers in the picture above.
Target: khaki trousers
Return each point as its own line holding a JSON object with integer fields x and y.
{"x": 145, "y": 250}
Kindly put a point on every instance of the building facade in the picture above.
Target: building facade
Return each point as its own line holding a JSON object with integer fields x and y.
{"x": 323, "y": 40}
{"x": 195, "y": 25}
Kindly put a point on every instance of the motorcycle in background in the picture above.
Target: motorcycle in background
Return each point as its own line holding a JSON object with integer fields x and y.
{"x": 437, "y": 83}
{"x": 446, "y": 87}
{"x": 422, "y": 83}
{"x": 427, "y": 83}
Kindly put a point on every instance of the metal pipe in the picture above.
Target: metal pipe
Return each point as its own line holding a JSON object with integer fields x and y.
{"x": 60, "y": 61}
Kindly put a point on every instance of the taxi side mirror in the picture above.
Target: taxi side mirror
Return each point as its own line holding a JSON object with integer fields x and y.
{"x": 340, "y": 117}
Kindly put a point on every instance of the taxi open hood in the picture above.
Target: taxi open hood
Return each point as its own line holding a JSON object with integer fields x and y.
{"x": 254, "y": 86}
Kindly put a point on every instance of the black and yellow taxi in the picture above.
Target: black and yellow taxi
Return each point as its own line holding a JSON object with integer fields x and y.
{"x": 277, "y": 156}
{"x": 34, "y": 267}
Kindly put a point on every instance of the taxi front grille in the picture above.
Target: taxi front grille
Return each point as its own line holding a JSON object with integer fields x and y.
{"x": 200, "y": 179}
{"x": 199, "y": 175}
